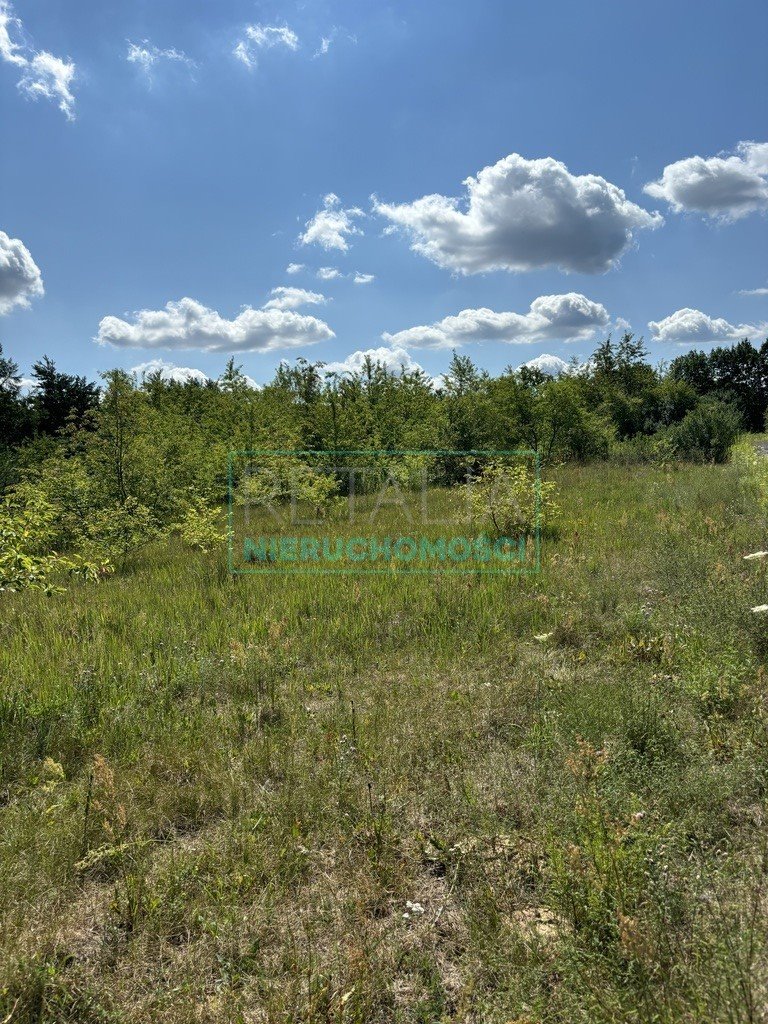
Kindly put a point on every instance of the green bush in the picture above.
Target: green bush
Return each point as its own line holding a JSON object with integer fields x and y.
{"x": 707, "y": 432}
{"x": 509, "y": 501}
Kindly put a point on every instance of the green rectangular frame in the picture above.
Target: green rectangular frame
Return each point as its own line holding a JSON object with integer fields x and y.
{"x": 536, "y": 568}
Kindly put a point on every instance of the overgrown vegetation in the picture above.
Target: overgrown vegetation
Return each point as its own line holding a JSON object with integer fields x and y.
{"x": 399, "y": 798}
{"x": 121, "y": 465}
{"x": 416, "y": 799}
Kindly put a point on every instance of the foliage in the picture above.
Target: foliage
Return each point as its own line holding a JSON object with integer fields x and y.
{"x": 737, "y": 374}
{"x": 706, "y": 433}
{"x": 27, "y": 526}
{"x": 201, "y": 526}
{"x": 412, "y": 798}
{"x": 511, "y": 502}
{"x": 116, "y": 531}
{"x": 116, "y": 464}
{"x": 753, "y": 468}
{"x": 274, "y": 481}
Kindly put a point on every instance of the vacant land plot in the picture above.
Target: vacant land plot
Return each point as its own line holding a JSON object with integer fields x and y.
{"x": 399, "y": 798}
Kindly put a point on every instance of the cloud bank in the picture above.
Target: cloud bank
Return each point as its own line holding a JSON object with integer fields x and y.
{"x": 570, "y": 317}
{"x": 188, "y": 324}
{"x": 691, "y": 325}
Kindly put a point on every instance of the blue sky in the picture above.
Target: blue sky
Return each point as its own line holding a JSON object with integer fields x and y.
{"x": 194, "y": 170}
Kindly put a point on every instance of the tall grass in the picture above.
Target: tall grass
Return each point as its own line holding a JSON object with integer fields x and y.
{"x": 222, "y": 798}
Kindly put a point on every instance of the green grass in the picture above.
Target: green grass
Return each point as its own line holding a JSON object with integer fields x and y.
{"x": 219, "y": 796}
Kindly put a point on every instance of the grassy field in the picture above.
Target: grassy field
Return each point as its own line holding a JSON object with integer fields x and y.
{"x": 399, "y": 798}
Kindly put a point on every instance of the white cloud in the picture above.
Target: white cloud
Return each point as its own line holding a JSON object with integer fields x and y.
{"x": 754, "y": 291}
{"x": 328, "y": 273}
{"x": 523, "y": 215}
{"x": 263, "y": 37}
{"x": 331, "y": 226}
{"x": 293, "y": 298}
{"x": 9, "y": 51}
{"x": 181, "y": 374}
{"x": 169, "y": 371}
{"x": 363, "y": 278}
{"x": 20, "y": 277}
{"x": 691, "y": 325}
{"x": 51, "y": 78}
{"x": 394, "y": 358}
{"x": 325, "y": 45}
{"x": 727, "y": 186}
{"x": 146, "y": 55}
{"x": 570, "y": 317}
{"x": 553, "y": 365}
{"x": 294, "y": 268}
{"x": 42, "y": 74}
{"x": 188, "y": 324}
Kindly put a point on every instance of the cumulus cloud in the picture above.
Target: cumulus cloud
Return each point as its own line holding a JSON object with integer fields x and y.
{"x": 20, "y": 277}
{"x": 523, "y": 215}
{"x": 727, "y": 187}
{"x": 395, "y": 358}
{"x": 553, "y": 365}
{"x": 294, "y": 268}
{"x": 328, "y": 273}
{"x": 691, "y": 325}
{"x": 263, "y": 37}
{"x": 570, "y": 317}
{"x": 42, "y": 74}
{"x": 363, "y": 278}
{"x": 188, "y": 324}
{"x": 294, "y": 298}
{"x": 332, "y": 225}
{"x": 169, "y": 371}
{"x": 146, "y": 55}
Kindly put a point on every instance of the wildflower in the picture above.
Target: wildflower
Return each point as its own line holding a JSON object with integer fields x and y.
{"x": 760, "y": 608}
{"x": 542, "y": 637}
{"x": 756, "y": 554}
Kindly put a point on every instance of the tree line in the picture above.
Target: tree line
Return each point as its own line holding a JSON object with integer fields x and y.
{"x": 615, "y": 404}
{"x": 98, "y": 469}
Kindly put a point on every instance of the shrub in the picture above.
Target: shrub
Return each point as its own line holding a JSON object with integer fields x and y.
{"x": 278, "y": 481}
{"x": 26, "y": 558}
{"x": 116, "y": 531}
{"x": 707, "y": 432}
{"x": 511, "y": 502}
{"x": 201, "y": 526}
